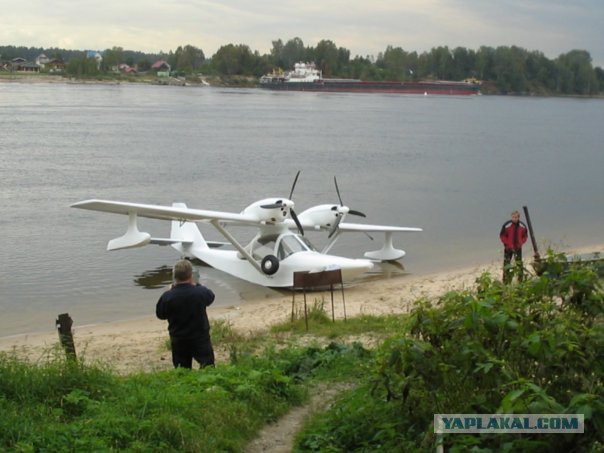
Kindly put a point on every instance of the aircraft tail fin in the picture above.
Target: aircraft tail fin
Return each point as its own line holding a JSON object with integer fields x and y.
{"x": 186, "y": 235}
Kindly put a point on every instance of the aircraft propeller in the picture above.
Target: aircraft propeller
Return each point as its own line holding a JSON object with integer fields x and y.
{"x": 281, "y": 204}
{"x": 341, "y": 211}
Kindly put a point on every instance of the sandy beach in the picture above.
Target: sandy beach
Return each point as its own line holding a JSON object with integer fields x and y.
{"x": 140, "y": 344}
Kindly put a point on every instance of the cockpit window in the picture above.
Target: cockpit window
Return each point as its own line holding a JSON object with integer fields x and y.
{"x": 264, "y": 246}
{"x": 288, "y": 244}
{"x": 307, "y": 243}
{"x": 292, "y": 244}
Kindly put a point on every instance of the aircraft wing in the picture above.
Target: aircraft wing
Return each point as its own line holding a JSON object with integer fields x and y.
{"x": 165, "y": 212}
{"x": 361, "y": 227}
{"x": 352, "y": 227}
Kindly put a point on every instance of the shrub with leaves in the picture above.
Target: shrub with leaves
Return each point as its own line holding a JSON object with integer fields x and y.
{"x": 535, "y": 347}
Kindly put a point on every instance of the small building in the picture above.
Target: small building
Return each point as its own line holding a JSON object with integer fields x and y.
{"x": 42, "y": 60}
{"x": 20, "y": 64}
{"x": 162, "y": 68}
{"x": 93, "y": 54}
{"x": 55, "y": 65}
{"x": 127, "y": 69}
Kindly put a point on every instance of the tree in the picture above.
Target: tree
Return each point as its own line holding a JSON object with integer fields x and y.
{"x": 188, "y": 58}
{"x": 397, "y": 64}
{"x": 326, "y": 56}
{"x": 293, "y": 52}
{"x": 144, "y": 65}
{"x": 599, "y": 73}
{"x": 510, "y": 69}
{"x": 464, "y": 61}
{"x": 112, "y": 57}
{"x": 441, "y": 63}
{"x": 579, "y": 76}
{"x": 343, "y": 61}
{"x": 234, "y": 60}
{"x": 485, "y": 63}
{"x": 277, "y": 53}
{"x": 83, "y": 66}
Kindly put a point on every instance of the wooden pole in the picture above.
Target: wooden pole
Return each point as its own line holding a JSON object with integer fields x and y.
{"x": 63, "y": 324}
{"x": 305, "y": 311}
{"x": 530, "y": 228}
{"x": 333, "y": 313}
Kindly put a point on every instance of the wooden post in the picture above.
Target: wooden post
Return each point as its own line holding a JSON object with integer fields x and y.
{"x": 537, "y": 263}
{"x": 333, "y": 313}
{"x": 305, "y": 311}
{"x": 63, "y": 324}
{"x": 532, "y": 235}
{"x": 343, "y": 299}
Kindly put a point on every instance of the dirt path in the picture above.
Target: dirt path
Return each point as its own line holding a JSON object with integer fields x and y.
{"x": 278, "y": 437}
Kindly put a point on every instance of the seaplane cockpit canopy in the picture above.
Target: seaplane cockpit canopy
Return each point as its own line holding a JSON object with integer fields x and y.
{"x": 280, "y": 245}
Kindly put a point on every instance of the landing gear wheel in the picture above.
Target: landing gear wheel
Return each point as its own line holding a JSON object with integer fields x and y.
{"x": 269, "y": 264}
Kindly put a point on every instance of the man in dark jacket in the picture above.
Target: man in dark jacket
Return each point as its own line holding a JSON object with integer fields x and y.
{"x": 184, "y": 306}
{"x": 513, "y": 235}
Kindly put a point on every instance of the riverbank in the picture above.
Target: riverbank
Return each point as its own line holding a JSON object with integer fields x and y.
{"x": 216, "y": 81}
{"x": 144, "y": 79}
{"x": 140, "y": 344}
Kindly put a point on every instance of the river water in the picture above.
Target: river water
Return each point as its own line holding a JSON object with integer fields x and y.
{"x": 456, "y": 166}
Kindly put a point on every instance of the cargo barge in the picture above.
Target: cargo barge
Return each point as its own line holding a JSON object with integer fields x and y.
{"x": 306, "y": 77}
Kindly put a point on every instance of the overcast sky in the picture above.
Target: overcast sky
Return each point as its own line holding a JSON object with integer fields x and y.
{"x": 365, "y": 27}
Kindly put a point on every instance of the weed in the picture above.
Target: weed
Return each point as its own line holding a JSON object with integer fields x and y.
{"x": 68, "y": 406}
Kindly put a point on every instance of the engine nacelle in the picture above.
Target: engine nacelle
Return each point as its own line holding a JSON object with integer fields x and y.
{"x": 270, "y": 210}
{"x": 322, "y": 216}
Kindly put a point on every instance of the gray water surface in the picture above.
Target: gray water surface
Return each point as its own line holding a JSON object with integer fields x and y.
{"x": 456, "y": 166}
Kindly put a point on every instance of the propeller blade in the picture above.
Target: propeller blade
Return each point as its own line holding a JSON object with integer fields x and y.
{"x": 338, "y": 191}
{"x": 291, "y": 193}
{"x": 358, "y": 213}
{"x": 278, "y": 204}
{"x": 293, "y": 215}
{"x": 351, "y": 211}
{"x": 334, "y": 227}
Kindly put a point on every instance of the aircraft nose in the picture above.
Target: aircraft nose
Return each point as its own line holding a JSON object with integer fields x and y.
{"x": 356, "y": 267}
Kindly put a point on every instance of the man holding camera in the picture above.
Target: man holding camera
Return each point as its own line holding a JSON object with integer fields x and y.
{"x": 184, "y": 306}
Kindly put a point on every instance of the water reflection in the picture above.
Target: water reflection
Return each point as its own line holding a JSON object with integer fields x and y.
{"x": 154, "y": 278}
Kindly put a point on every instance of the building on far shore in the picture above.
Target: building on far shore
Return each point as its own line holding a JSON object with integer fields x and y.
{"x": 20, "y": 64}
{"x": 55, "y": 65}
{"x": 93, "y": 54}
{"x": 162, "y": 68}
{"x": 124, "y": 68}
{"x": 42, "y": 60}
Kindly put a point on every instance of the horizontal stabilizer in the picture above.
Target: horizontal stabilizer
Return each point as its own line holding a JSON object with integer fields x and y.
{"x": 169, "y": 241}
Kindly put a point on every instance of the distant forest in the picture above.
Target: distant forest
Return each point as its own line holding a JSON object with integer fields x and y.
{"x": 503, "y": 69}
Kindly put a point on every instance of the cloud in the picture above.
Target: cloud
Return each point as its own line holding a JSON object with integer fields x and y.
{"x": 552, "y": 26}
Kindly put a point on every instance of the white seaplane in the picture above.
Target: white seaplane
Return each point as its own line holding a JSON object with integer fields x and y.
{"x": 273, "y": 255}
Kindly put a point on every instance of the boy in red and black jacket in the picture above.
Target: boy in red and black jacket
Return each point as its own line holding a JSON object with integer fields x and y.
{"x": 513, "y": 235}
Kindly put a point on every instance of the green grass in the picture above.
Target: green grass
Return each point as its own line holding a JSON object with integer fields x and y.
{"x": 321, "y": 324}
{"x": 63, "y": 405}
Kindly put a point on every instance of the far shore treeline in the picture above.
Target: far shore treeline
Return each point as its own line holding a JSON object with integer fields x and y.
{"x": 502, "y": 70}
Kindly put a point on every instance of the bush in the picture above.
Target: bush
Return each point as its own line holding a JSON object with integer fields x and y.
{"x": 535, "y": 347}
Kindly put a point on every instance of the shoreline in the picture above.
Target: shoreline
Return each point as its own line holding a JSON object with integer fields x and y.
{"x": 135, "y": 345}
{"x": 59, "y": 79}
